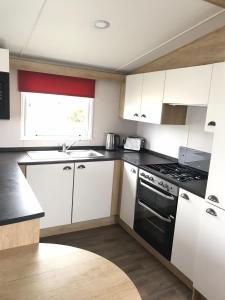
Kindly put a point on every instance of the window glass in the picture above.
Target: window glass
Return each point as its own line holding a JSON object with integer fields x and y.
{"x": 56, "y": 116}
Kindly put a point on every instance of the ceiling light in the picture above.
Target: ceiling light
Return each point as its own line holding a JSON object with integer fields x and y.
{"x": 102, "y": 24}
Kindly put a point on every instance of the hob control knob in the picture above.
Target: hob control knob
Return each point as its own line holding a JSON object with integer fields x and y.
{"x": 151, "y": 178}
{"x": 160, "y": 183}
{"x": 142, "y": 174}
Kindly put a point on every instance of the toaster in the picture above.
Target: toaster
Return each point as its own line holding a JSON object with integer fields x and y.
{"x": 134, "y": 143}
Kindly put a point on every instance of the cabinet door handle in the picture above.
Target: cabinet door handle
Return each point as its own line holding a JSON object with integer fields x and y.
{"x": 213, "y": 199}
{"x": 81, "y": 167}
{"x": 135, "y": 115}
{"x": 67, "y": 168}
{"x": 185, "y": 196}
{"x": 211, "y": 212}
{"x": 143, "y": 116}
{"x": 212, "y": 123}
{"x": 133, "y": 171}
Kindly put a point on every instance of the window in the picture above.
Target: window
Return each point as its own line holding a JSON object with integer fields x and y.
{"x": 48, "y": 116}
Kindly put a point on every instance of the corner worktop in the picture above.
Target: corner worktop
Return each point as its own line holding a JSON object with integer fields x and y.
{"x": 18, "y": 202}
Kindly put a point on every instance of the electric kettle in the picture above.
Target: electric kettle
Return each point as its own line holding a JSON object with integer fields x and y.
{"x": 112, "y": 141}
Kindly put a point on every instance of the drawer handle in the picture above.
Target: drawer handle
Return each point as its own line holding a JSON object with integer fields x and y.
{"x": 212, "y": 123}
{"x": 81, "y": 167}
{"x": 213, "y": 199}
{"x": 67, "y": 168}
{"x": 143, "y": 116}
{"x": 135, "y": 115}
{"x": 211, "y": 212}
{"x": 133, "y": 171}
{"x": 185, "y": 196}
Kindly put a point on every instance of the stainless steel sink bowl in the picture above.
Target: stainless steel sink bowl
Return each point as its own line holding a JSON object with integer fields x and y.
{"x": 54, "y": 154}
{"x": 83, "y": 153}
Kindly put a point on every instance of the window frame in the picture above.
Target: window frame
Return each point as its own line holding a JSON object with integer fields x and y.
{"x": 50, "y": 137}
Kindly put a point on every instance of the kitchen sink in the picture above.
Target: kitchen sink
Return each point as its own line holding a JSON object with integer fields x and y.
{"x": 54, "y": 154}
{"x": 83, "y": 153}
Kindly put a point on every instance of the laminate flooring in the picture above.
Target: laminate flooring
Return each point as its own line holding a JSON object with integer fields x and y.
{"x": 151, "y": 278}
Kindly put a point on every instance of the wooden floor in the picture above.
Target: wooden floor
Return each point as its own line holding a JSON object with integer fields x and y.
{"x": 152, "y": 280}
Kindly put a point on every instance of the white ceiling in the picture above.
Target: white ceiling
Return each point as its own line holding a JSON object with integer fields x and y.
{"x": 140, "y": 31}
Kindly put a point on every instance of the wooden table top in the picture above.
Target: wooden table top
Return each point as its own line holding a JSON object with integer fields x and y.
{"x": 50, "y": 271}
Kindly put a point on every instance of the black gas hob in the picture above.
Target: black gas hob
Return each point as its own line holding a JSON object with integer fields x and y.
{"x": 178, "y": 172}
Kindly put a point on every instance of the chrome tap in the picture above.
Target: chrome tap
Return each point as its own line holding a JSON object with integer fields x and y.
{"x": 65, "y": 148}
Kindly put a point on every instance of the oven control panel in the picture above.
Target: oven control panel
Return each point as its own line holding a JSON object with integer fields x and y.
{"x": 159, "y": 182}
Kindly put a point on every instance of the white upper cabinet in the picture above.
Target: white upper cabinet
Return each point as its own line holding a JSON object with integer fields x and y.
{"x": 133, "y": 94}
{"x": 188, "y": 86}
{"x": 186, "y": 232}
{"x": 4, "y": 60}
{"x": 210, "y": 260}
{"x": 152, "y": 97}
{"x": 144, "y": 97}
{"x": 92, "y": 190}
{"x": 53, "y": 185}
{"x": 128, "y": 196}
{"x": 216, "y": 105}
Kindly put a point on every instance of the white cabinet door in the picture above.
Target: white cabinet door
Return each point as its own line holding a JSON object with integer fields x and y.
{"x": 215, "y": 192}
{"x": 188, "y": 86}
{"x": 92, "y": 190}
{"x": 133, "y": 92}
{"x": 4, "y": 60}
{"x": 128, "y": 197}
{"x": 216, "y": 105}
{"x": 152, "y": 97}
{"x": 210, "y": 260}
{"x": 186, "y": 232}
{"x": 53, "y": 187}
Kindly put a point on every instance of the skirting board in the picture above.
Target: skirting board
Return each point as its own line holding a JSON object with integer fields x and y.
{"x": 78, "y": 226}
{"x": 152, "y": 251}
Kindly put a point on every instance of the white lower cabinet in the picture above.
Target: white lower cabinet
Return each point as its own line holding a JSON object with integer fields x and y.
{"x": 53, "y": 185}
{"x": 209, "y": 275}
{"x": 128, "y": 197}
{"x": 92, "y": 190}
{"x": 186, "y": 232}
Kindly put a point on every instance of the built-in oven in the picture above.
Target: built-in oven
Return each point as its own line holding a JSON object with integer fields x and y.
{"x": 155, "y": 212}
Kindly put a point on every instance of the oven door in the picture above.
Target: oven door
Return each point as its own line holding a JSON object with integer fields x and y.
{"x": 154, "y": 219}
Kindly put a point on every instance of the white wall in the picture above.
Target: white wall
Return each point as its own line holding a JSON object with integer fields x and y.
{"x": 106, "y": 107}
{"x": 166, "y": 139}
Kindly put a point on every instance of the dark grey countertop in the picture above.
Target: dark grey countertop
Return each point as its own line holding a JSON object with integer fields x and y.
{"x": 18, "y": 203}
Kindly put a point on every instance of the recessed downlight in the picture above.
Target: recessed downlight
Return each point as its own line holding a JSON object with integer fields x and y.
{"x": 101, "y": 24}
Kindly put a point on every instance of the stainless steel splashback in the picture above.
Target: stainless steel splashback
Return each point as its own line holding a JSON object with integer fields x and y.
{"x": 194, "y": 158}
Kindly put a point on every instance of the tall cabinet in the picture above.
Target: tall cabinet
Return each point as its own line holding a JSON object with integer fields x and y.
{"x": 210, "y": 259}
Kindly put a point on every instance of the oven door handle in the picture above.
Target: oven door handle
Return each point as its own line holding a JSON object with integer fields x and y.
{"x": 168, "y": 220}
{"x": 156, "y": 191}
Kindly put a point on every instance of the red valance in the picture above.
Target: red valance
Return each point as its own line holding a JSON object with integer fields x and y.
{"x": 34, "y": 82}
